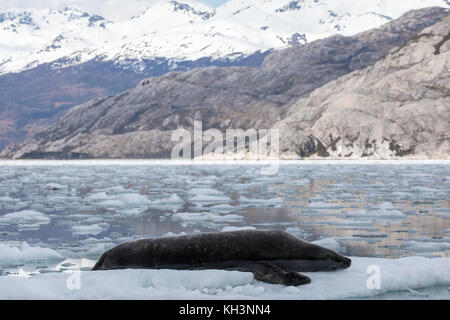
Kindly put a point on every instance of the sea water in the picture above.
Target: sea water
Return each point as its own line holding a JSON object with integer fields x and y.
{"x": 57, "y": 218}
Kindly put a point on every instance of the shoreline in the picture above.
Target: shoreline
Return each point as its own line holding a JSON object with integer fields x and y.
{"x": 169, "y": 162}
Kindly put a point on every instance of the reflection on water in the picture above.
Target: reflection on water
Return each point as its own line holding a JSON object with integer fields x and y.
{"x": 371, "y": 210}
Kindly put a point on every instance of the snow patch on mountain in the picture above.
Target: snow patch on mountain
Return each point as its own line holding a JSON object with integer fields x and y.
{"x": 184, "y": 30}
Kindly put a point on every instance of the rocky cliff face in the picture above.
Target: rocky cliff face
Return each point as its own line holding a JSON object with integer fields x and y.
{"x": 33, "y": 99}
{"x": 139, "y": 122}
{"x": 52, "y": 60}
{"x": 400, "y": 107}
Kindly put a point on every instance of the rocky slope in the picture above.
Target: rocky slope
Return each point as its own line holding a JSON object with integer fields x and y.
{"x": 139, "y": 122}
{"x": 32, "y": 99}
{"x": 400, "y": 107}
{"x": 51, "y": 60}
{"x": 184, "y": 30}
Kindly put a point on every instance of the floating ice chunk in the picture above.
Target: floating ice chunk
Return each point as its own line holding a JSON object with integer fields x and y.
{"x": 134, "y": 284}
{"x": 401, "y": 195}
{"x": 117, "y": 189}
{"x": 330, "y": 243}
{"x": 93, "y": 220}
{"x": 210, "y": 191}
{"x": 207, "y": 196}
{"x": 385, "y": 210}
{"x": 171, "y": 234}
{"x": 323, "y": 205}
{"x": 209, "y": 199}
{"x": 264, "y": 202}
{"x": 427, "y": 246}
{"x": 223, "y": 208}
{"x": 132, "y": 212}
{"x": 396, "y": 275}
{"x": 111, "y": 203}
{"x": 416, "y": 293}
{"x": 359, "y": 223}
{"x": 174, "y": 198}
{"x": 54, "y": 186}
{"x": 98, "y": 196}
{"x": 301, "y": 182}
{"x": 95, "y": 240}
{"x": 21, "y": 273}
{"x": 10, "y": 254}
{"x": 205, "y": 216}
{"x": 425, "y": 189}
{"x": 91, "y": 230}
{"x": 8, "y": 199}
{"x": 133, "y": 199}
{"x": 25, "y": 219}
{"x": 174, "y": 203}
{"x": 74, "y": 264}
{"x": 119, "y": 200}
{"x": 371, "y": 235}
{"x": 345, "y": 196}
{"x": 230, "y": 229}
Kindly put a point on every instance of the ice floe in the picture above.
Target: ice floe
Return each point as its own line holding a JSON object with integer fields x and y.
{"x": 205, "y": 217}
{"x": 425, "y": 246}
{"x": 8, "y": 199}
{"x": 26, "y": 219}
{"x": 54, "y": 186}
{"x": 366, "y": 209}
{"x": 395, "y": 275}
{"x": 323, "y": 205}
{"x": 98, "y": 196}
{"x": 261, "y": 202}
{"x": 202, "y": 196}
{"x": 230, "y": 229}
{"x": 25, "y": 252}
{"x": 133, "y": 199}
{"x": 90, "y": 230}
{"x": 111, "y": 203}
{"x": 173, "y": 203}
{"x": 384, "y": 212}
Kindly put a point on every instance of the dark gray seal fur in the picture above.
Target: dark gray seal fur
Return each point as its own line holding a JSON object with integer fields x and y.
{"x": 272, "y": 256}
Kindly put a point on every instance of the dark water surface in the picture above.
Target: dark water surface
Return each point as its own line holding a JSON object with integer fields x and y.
{"x": 368, "y": 210}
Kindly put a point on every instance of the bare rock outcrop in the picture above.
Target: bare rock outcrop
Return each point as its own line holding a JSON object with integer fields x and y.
{"x": 138, "y": 123}
{"x": 400, "y": 107}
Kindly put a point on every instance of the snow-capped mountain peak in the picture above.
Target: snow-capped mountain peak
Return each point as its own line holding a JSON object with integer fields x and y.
{"x": 185, "y": 30}
{"x": 34, "y": 36}
{"x": 189, "y": 11}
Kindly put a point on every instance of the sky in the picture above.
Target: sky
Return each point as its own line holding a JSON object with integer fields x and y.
{"x": 110, "y": 9}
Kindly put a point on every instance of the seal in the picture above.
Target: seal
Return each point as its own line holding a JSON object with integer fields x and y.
{"x": 272, "y": 256}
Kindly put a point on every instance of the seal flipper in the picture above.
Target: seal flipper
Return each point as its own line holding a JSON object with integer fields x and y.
{"x": 273, "y": 274}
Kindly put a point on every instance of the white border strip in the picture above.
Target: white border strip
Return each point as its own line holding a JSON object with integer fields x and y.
{"x": 25, "y": 163}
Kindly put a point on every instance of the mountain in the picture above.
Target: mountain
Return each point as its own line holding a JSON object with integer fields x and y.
{"x": 184, "y": 31}
{"x": 400, "y": 107}
{"x": 51, "y": 60}
{"x": 138, "y": 123}
{"x": 32, "y": 37}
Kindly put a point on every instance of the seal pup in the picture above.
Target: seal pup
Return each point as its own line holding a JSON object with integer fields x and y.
{"x": 272, "y": 256}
